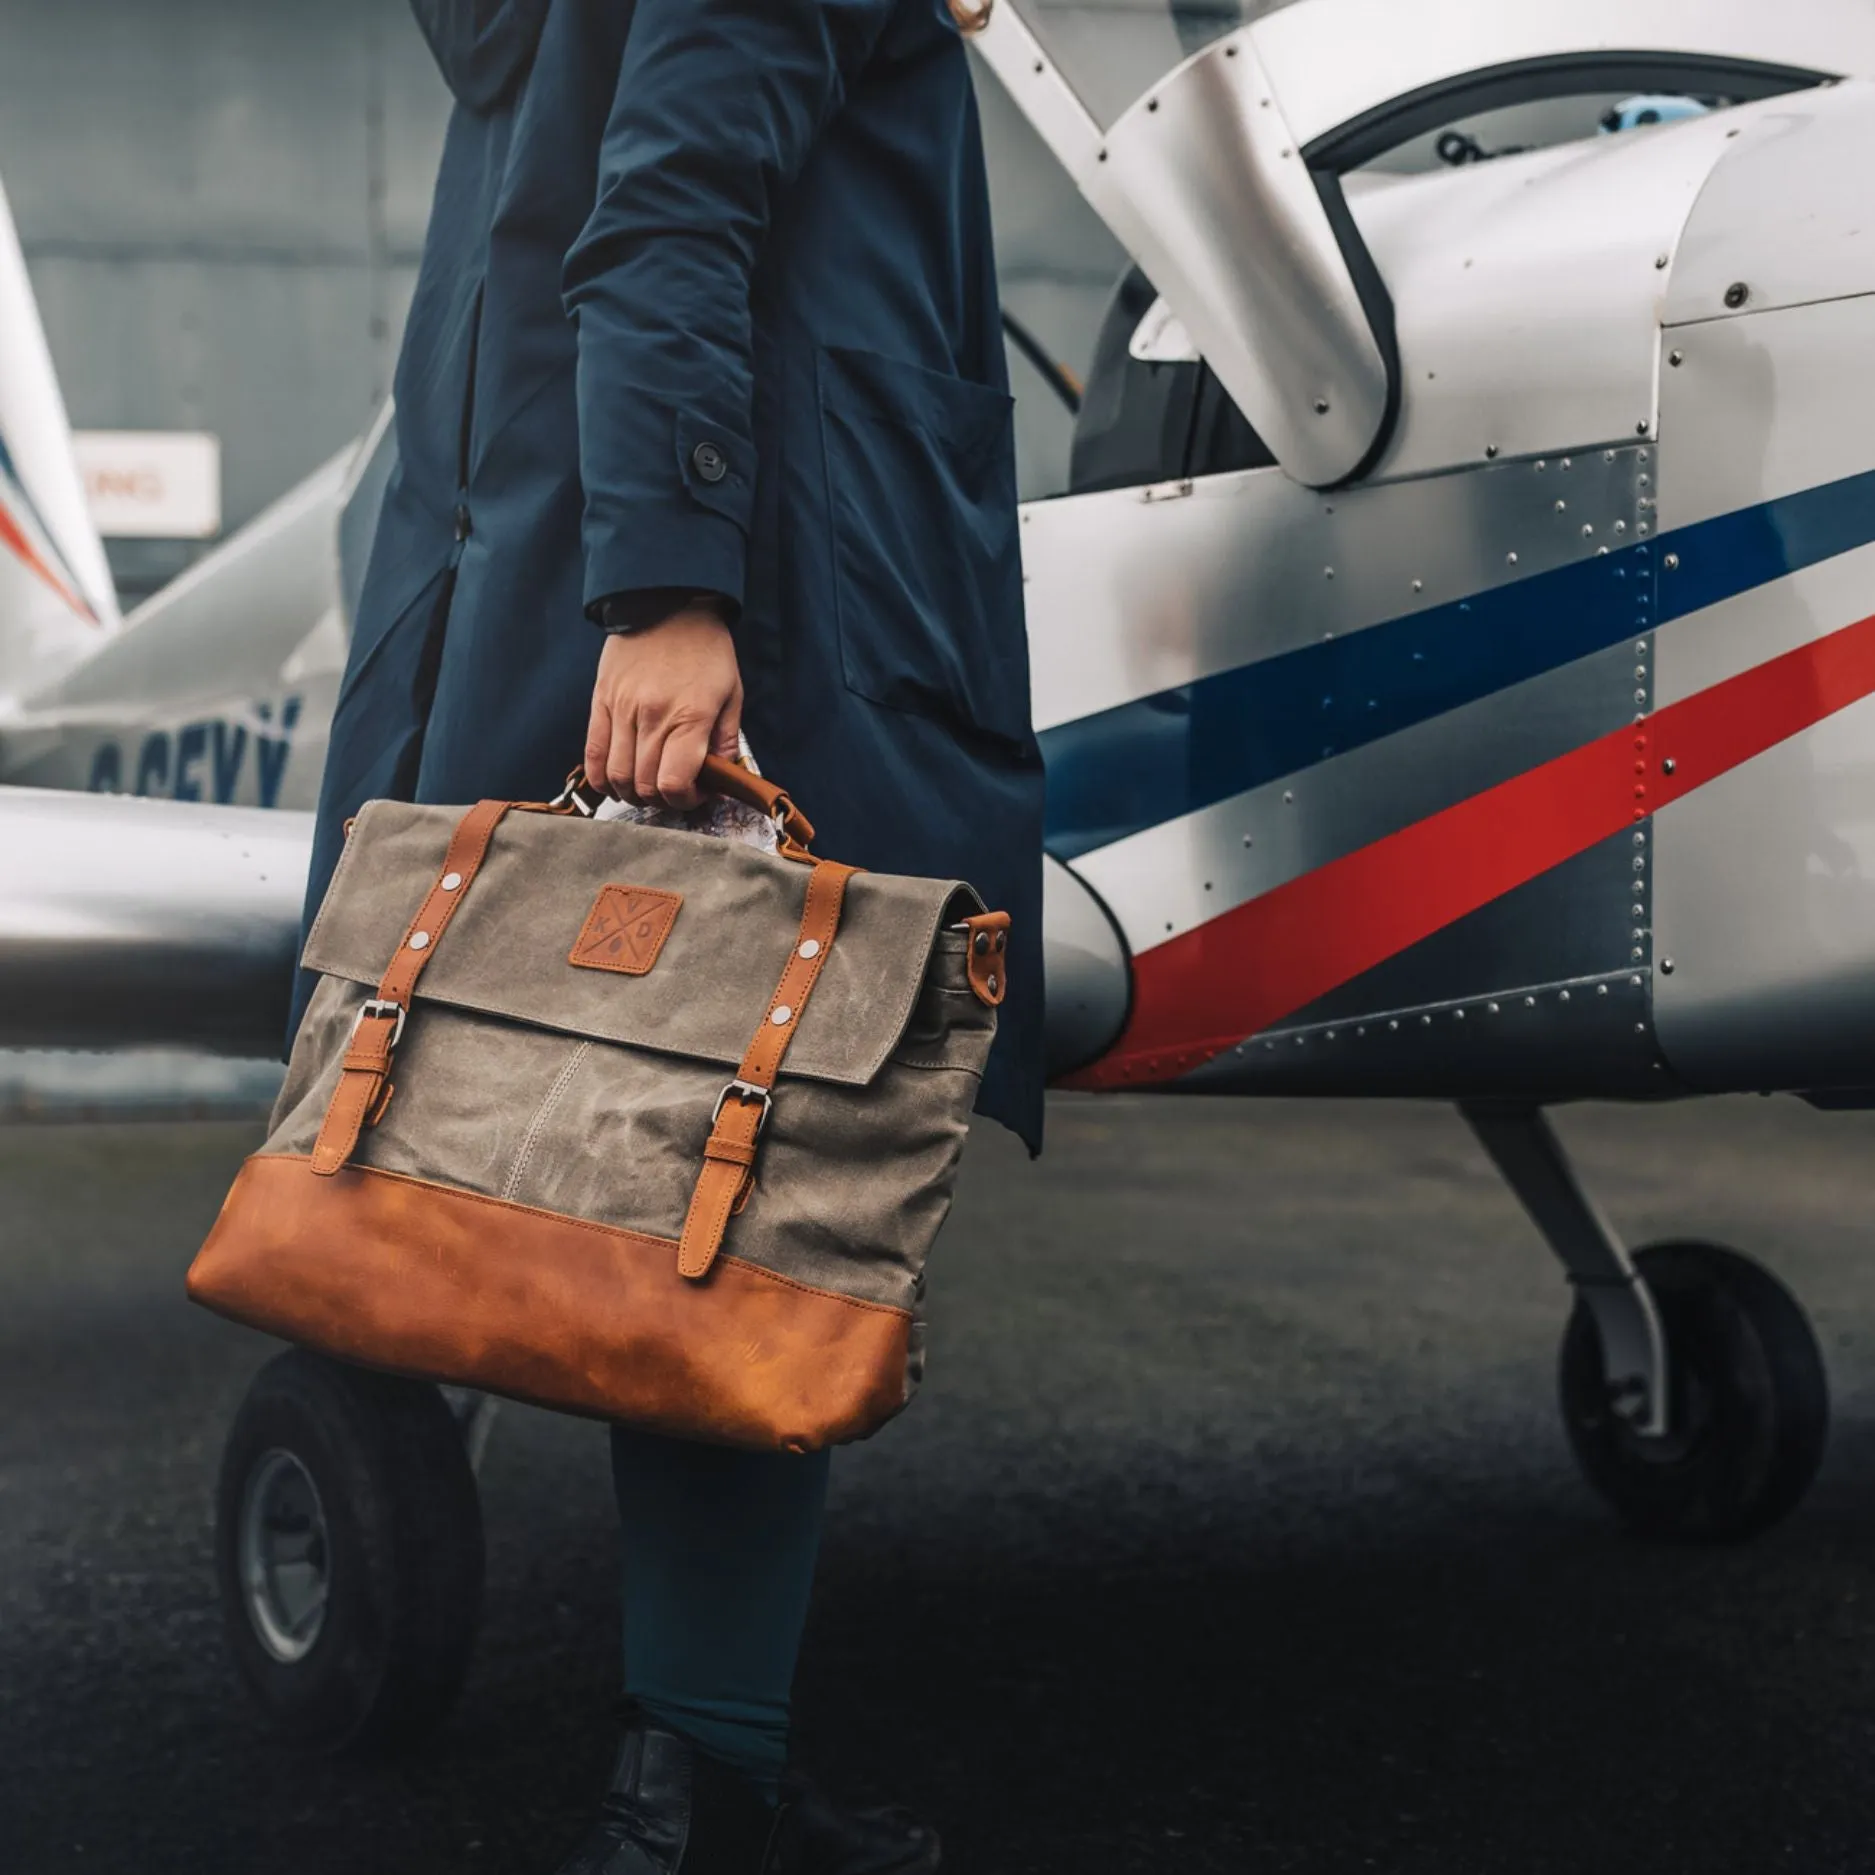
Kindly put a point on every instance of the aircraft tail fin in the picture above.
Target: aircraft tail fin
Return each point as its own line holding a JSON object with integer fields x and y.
{"x": 57, "y": 602}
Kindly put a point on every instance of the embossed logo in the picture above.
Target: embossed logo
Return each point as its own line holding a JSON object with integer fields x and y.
{"x": 626, "y": 929}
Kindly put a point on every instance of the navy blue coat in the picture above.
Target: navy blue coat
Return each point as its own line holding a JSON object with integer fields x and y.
{"x": 708, "y": 301}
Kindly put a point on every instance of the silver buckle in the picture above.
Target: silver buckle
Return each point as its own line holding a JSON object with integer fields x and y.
{"x": 381, "y": 1006}
{"x": 743, "y": 1090}
{"x": 569, "y": 796}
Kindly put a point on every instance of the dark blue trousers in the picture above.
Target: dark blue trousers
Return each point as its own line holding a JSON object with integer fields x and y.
{"x": 719, "y": 1553}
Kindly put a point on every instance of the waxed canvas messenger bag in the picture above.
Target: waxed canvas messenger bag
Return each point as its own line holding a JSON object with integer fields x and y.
{"x": 619, "y": 1119}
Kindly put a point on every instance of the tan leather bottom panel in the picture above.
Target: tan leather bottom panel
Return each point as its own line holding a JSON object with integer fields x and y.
{"x": 396, "y": 1273}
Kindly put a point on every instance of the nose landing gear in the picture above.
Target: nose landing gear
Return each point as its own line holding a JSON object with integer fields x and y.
{"x": 1692, "y": 1386}
{"x": 1748, "y": 1403}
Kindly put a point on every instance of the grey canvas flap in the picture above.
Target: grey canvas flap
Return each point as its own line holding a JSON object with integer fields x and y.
{"x": 506, "y": 951}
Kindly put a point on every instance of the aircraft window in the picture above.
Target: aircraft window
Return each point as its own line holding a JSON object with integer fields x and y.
{"x": 1135, "y": 421}
{"x": 1539, "y": 126}
{"x": 1153, "y": 411}
{"x": 1222, "y": 438}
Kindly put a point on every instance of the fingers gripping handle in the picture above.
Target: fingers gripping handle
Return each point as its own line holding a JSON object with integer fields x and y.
{"x": 718, "y": 776}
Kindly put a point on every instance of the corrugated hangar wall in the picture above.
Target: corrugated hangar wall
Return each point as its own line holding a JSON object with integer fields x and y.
{"x": 222, "y": 204}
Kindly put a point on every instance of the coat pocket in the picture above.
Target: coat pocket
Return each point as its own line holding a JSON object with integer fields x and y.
{"x": 927, "y": 568}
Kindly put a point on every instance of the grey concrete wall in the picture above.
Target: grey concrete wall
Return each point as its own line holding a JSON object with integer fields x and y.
{"x": 222, "y": 203}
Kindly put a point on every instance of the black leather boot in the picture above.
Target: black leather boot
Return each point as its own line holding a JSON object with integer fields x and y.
{"x": 814, "y": 1838}
{"x": 674, "y": 1810}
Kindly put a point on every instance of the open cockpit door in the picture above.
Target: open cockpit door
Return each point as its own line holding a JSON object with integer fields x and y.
{"x": 1217, "y": 157}
{"x": 1200, "y": 182}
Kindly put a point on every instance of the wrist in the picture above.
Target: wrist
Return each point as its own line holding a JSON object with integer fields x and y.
{"x": 626, "y": 614}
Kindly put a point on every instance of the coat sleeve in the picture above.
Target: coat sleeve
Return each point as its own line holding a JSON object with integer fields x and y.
{"x": 718, "y": 105}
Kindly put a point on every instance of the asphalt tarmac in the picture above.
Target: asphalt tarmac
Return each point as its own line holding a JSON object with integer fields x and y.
{"x": 1235, "y": 1531}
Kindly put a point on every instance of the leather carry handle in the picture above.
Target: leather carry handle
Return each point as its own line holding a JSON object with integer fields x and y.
{"x": 729, "y": 779}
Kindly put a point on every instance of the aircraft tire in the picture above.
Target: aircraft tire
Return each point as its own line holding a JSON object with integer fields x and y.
{"x": 348, "y": 1552}
{"x": 1749, "y": 1402}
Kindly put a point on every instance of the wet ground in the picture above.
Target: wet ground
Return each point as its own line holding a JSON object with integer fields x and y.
{"x": 1234, "y": 1532}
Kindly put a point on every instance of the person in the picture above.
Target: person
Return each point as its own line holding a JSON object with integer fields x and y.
{"x": 703, "y": 426}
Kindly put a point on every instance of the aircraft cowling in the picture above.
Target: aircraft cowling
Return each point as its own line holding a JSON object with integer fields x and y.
{"x": 1089, "y": 978}
{"x": 128, "y": 923}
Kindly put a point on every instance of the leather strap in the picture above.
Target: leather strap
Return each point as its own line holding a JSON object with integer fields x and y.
{"x": 364, "y": 1088}
{"x": 729, "y": 1157}
{"x": 729, "y": 779}
{"x": 989, "y": 956}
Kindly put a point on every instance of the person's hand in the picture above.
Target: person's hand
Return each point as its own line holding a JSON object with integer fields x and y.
{"x": 664, "y": 699}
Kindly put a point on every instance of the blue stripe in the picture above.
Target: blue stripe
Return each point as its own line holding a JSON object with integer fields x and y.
{"x": 12, "y": 475}
{"x": 1151, "y": 761}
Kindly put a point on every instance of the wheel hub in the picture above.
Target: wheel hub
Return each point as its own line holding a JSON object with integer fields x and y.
{"x": 284, "y": 1556}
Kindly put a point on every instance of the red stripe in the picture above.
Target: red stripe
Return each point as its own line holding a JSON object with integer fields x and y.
{"x": 12, "y": 536}
{"x": 1197, "y": 995}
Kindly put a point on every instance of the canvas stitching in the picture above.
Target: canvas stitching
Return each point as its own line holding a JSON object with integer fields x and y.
{"x": 541, "y": 1116}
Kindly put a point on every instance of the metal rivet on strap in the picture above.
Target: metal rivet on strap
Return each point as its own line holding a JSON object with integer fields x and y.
{"x": 983, "y": 943}
{"x": 451, "y": 880}
{"x": 783, "y": 1016}
{"x": 992, "y": 985}
{"x": 811, "y": 949}
{"x": 421, "y": 941}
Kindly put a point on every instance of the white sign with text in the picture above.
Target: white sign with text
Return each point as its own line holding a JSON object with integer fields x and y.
{"x": 152, "y": 484}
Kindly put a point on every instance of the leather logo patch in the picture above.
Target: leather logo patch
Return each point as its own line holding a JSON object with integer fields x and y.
{"x": 626, "y": 929}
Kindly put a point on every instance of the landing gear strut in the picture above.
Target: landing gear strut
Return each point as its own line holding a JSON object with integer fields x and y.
{"x": 1693, "y": 1391}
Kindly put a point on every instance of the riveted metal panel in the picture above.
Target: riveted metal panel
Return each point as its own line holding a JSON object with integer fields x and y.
{"x": 1133, "y": 592}
{"x": 1765, "y": 921}
{"x": 1586, "y": 1039}
{"x": 1784, "y": 219}
{"x": 1527, "y": 291}
{"x": 1170, "y": 879}
{"x": 1576, "y": 923}
{"x": 1359, "y": 724}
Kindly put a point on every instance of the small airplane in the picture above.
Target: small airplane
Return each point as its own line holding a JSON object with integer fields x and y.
{"x": 1452, "y": 646}
{"x": 218, "y": 688}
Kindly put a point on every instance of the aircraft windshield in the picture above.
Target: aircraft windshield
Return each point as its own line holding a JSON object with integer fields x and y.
{"x": 1112, "y": 50}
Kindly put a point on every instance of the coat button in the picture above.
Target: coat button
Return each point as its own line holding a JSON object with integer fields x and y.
{"x": 463, "y": 526}
{"x": 709, "y": 462}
